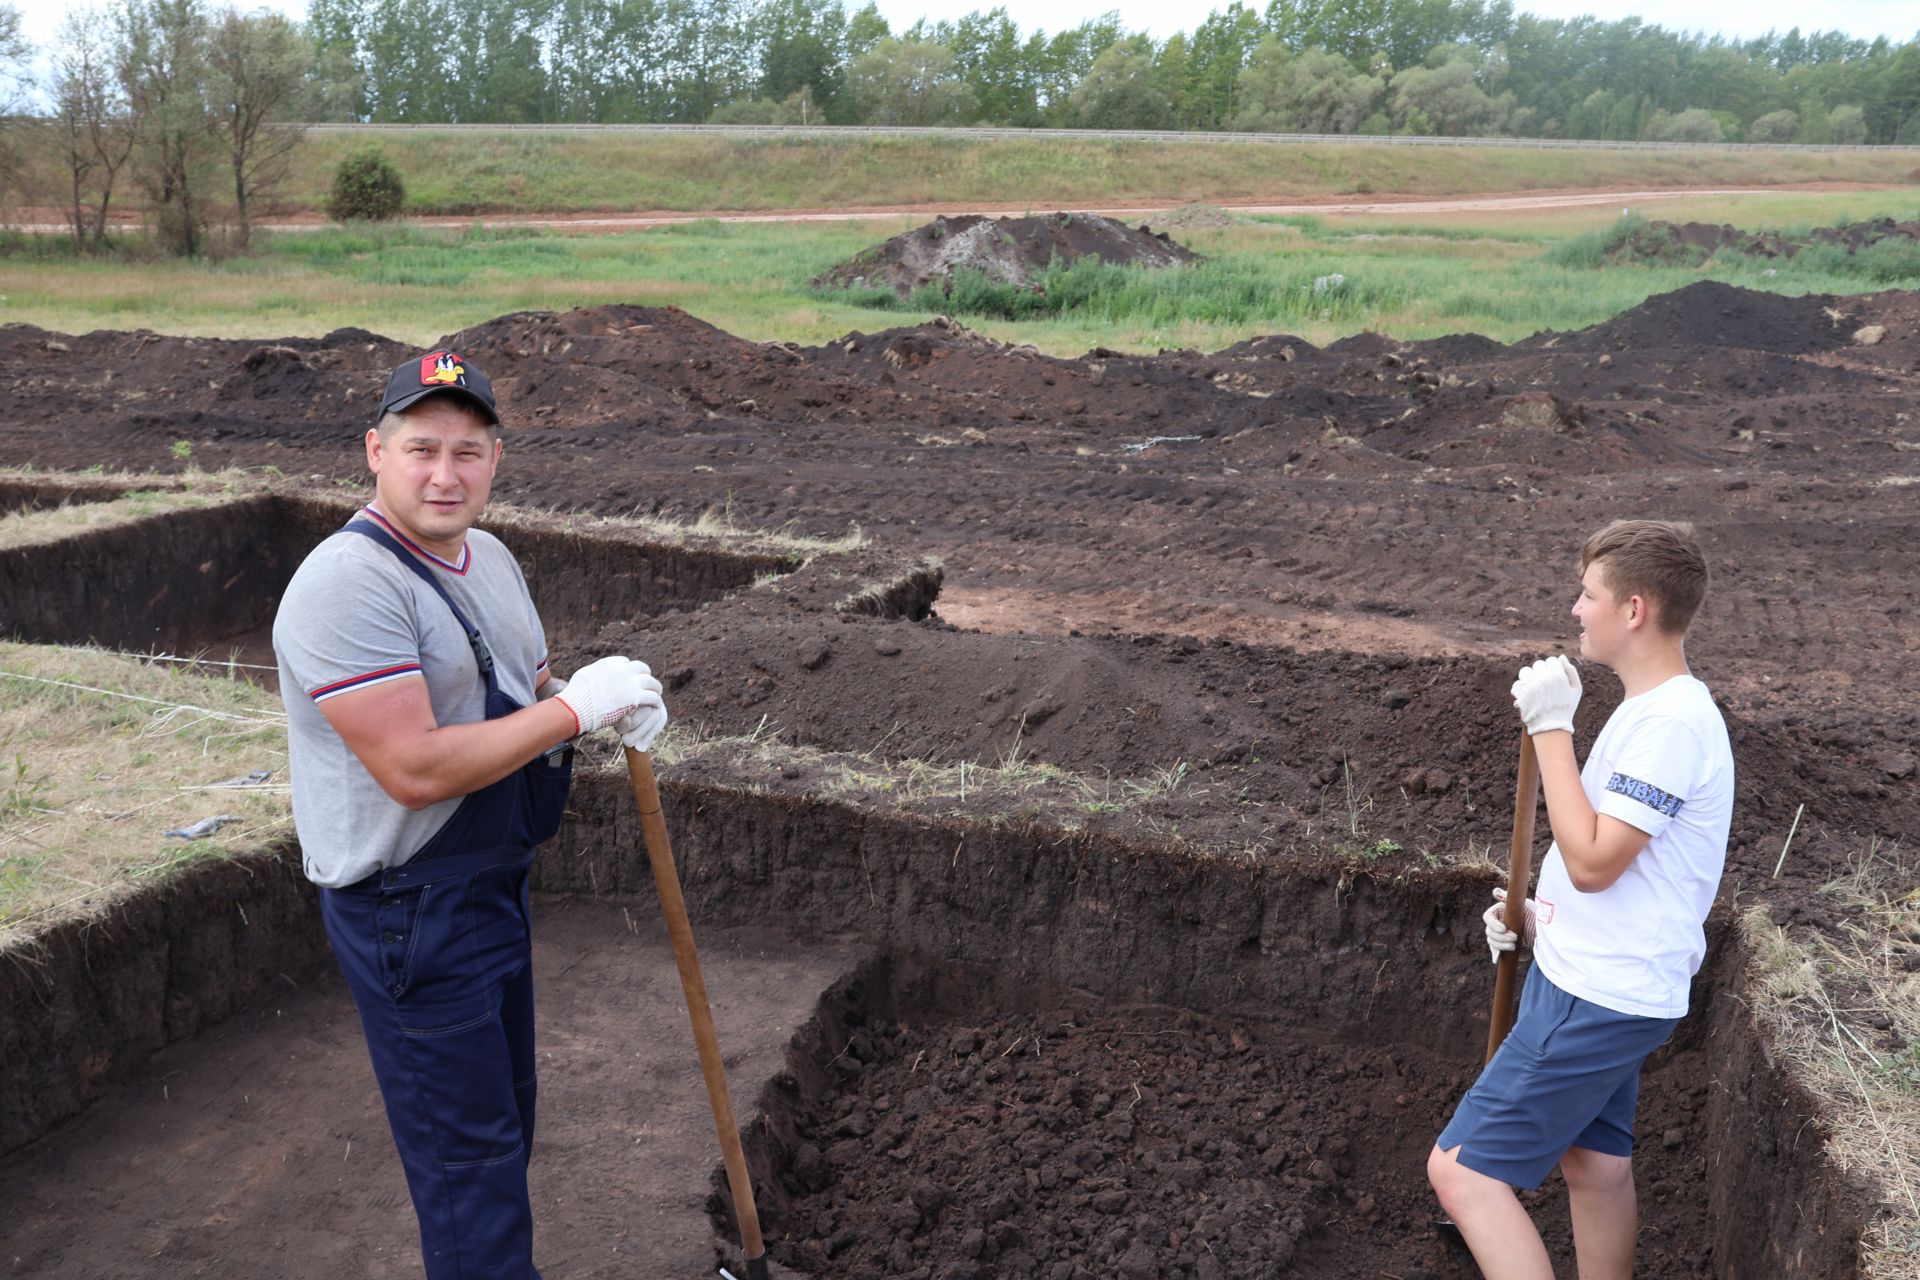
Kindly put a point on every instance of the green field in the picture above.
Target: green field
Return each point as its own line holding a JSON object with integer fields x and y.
{"x": 1502, "y": 274}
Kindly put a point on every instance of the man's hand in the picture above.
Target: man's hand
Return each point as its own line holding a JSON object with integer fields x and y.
{"x": 602, "y": 693}
{"x": 1499, "y": 937}
{"x": 1546, "y": 694}
{"x": 638, "y": 728}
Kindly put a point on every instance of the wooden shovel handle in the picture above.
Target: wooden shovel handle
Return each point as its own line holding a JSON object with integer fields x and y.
{"x": 1526, "y": 800}
{"x": 666, "y": 878}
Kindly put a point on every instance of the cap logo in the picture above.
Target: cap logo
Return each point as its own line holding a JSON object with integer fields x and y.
{"x": 442, "y": 369}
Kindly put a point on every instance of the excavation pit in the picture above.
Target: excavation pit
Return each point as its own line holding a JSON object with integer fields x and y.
{"x": 1293, "y": 632}
{"x": 200, "y": 569}
{"x": 1060, "y": 1050}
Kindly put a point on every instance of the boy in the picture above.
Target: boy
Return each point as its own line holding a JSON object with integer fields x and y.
{"x": 1639, "y": 840}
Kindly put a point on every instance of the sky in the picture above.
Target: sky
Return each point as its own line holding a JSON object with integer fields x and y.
{"x": 1899, "y": 20}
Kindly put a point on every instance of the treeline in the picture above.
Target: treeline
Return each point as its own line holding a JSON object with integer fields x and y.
{"x": 165, "y": 104}
{"x": 181, "y": 107}
{"x": 1448, "y": 67}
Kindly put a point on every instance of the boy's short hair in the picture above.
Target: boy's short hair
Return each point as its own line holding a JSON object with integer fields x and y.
{"x": 1657, "y": 560}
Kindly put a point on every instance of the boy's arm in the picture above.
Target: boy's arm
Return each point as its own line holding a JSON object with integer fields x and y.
{"x": 1596, "y": 847}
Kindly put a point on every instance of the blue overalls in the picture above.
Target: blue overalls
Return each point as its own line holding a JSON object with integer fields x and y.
{"x": 437, "y": 953}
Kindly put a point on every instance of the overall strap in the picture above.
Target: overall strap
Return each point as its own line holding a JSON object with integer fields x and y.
{"x": 481, "y": 654}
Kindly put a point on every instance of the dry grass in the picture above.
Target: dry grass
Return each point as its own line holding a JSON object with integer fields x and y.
{"x": 1835, "y": 1005}
{"x": 714, "y": 527}
{"x": 1014, "y": 787}
{"x": 101, "y": 754}
{"x": 29, "y": 528}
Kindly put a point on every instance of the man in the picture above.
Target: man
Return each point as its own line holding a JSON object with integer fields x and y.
{"x": 430, "y": 754}
{"x": 1640, "y": 838}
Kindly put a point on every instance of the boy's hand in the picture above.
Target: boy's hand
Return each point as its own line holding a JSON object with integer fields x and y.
{"x": 1499, "y": 937}
{"x": 1547, "y": 693}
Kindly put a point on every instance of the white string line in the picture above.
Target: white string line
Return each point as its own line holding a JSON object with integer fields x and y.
{"x": 172, "y": 708}
{"x": 205, "y": 662}
{"x": 133, "y": 874}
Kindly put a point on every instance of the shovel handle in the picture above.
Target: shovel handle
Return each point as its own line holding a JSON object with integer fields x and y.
{"x": 1526, "y": 801}
{"x": 666, "y": 878}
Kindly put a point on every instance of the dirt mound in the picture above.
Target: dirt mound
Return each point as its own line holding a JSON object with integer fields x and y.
{"x": 1717, "y": 315}
{"x": 1693, "y": 242}
{"x": 1007, "y": 251}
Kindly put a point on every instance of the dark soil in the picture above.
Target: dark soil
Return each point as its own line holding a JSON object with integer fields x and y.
{"x": 1294, "y": 580}
{"x": 1071, "y": 1143}
{"x": 1010, "y": 251}
{"x": 1669, "y": 242}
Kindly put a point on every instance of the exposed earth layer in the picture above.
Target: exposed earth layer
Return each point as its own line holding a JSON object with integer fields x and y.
{"x": 1269, "y": 597}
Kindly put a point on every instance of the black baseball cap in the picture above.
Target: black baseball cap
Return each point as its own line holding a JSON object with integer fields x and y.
{"x": 439, "y": 373}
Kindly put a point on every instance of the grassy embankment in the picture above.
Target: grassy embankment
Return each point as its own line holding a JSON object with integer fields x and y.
{"x": 472, "y": 173}
{"x": 102, "y": 753}
{"x": 1502, "y": 274}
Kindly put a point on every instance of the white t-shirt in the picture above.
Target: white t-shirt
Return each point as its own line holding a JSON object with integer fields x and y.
{"x": 1662, "y": 764}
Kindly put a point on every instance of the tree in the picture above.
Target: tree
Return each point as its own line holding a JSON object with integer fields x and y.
{"x": 1446, "y": 98}
{"x": 1119, "y": 92}
{"x": 989, "y": 57}
{"x": 1847, "y": 125}
{"x": 1316, "y": 92}
{"x": 1692, "y": 125}
{"x": 164, "y": 77}
{"x": 802, "y": 49}
{"x": 908, "y": 82}
{"x": 1775, "y": 126}
{"x": 256, "y": 83}
{"x": 95, "y": 129}
{"x": 1066, "y": 57}
{"x": 14, "y": 52}
{"x": 1220, "y": 47}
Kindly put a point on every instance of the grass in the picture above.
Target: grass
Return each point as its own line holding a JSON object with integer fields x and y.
{"x": 1504, "y": 275}
{"x": 26, "y": 528}
{"x": 1841, "y": 1007}
{"x": 714, "y": 525}
{"x": 102, "y": 753}
{"x": 1013, "y": 787}
{"x": 463, "y": 173}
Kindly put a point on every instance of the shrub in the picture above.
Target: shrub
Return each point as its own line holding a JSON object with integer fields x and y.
{"x": 1692, "y": 125}
{"x": 365, "y": 187}
{"x": 1849, "y": 125}
{"x": 1775, "y": 126}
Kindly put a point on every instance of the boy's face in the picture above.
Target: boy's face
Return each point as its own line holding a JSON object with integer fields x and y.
{"x": 1604, "y": 621}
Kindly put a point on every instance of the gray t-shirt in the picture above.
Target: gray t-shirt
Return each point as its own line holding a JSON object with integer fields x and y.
{"x": 354, "y": 617}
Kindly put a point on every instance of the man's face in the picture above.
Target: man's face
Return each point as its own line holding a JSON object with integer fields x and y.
{"x": 1603, "y": 618}
{"x": 433, "y": 472}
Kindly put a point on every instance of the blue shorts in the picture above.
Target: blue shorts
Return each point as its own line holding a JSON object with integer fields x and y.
{"x": 1567, "y": 1075}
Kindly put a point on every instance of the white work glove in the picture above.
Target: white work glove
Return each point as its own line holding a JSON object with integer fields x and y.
{"x": 1547, "y": 693}
{"x": 1499, "y": 937}
{"x": 638, "y": 728}
{"x": 601, "y": 693}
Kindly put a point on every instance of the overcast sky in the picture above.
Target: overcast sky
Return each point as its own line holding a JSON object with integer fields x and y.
{"x": 1899, "y": 20}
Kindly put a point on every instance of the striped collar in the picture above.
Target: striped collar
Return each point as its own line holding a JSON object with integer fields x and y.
{"x": 466, "y": 552}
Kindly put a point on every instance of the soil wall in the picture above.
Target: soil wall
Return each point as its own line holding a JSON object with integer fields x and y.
{"x": 86, "y": 1003}
{"x": 174, "y": 581}
{"x": 19, "y": 493}
{"x": 188, "y": 579}
{"x": 1036, "y": 914}
{"x": 1042, "y": 913}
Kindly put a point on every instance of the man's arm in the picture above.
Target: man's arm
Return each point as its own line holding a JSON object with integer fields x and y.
{"x": 418, "y": 762}
{"x": 390, "y": 727}
{"x": 1596, "y": 847}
